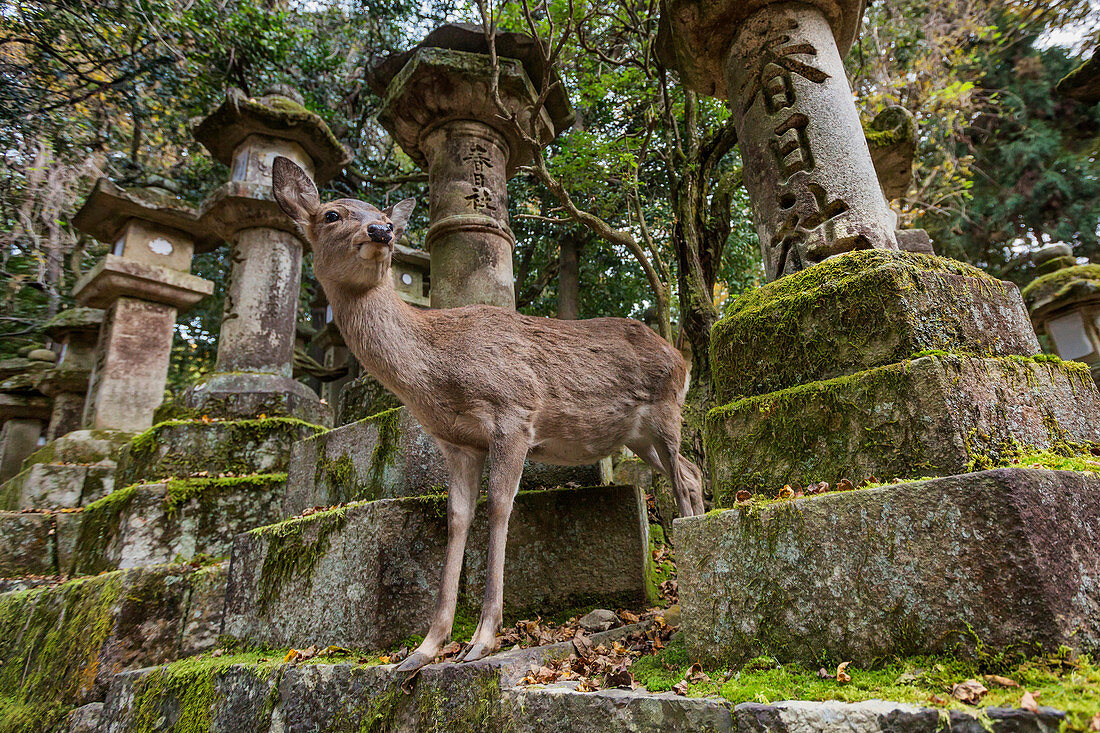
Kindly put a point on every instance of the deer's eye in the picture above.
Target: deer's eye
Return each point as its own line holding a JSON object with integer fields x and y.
{"x": 331, "y": 216}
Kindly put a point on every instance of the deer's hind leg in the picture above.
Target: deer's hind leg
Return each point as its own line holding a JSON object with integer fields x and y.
{"x": 661, "y": 452}
{"x": 464, "y": 466}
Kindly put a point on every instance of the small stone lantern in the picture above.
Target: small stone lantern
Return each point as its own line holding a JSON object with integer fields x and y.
{"x": 75, "y": 332}
{"x": 808, "y": 169}
{"x": 438, "y": 107}
{"x": 1064, "y": 304}
{"x": 142, "y": 284}
{"x": 24, "y": 410}
{"x": 254, "y": 367}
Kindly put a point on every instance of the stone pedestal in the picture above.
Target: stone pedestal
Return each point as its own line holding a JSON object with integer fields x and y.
{"x": 808, "y": 170}
{"x": 437, "y": 105}
{"x": 24, "y": 412}
{"x": 253, "y": 374}
{"x": 142, "y": 285}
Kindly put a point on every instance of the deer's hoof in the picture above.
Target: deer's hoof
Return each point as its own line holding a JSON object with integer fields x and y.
{"x": 473, "y": 652}
{"x": 413, "y": 662}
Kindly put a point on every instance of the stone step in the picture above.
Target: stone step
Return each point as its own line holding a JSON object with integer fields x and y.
{"x": 479, "y": 698}
{"x": 37, "y": 543}
{"x": 74, "y": 470}
{"x": 861, "y": 310}
{"x": 389, "y": 455}
{"x": 931, "y": 416}
{"x": 366, "y": 575}
{"x": 149, "y": 524}
{"x": 62, "y": 645}
{"x": 1006, "y": 559}
{"x": 189, "y": 448}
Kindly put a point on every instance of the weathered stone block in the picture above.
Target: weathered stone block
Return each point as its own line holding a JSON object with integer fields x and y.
{"x": 1006, "y": 559}
{"x": 146, "y": 524}
{"x": 387, "y": 456}
{"x": 932, "y": 416}
{"x": 364, "y": 397}
{"x": 366, "y": 575}
{"x": 26, "y": 544}
{"x": 861, "y": 310}
{"x": 45, "y": 486}
{"x": 61, "y": 645}
{"x": 182, "y": 448}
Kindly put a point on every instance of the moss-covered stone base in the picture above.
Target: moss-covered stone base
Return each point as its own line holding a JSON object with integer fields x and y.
{"x": 366, "y": 575}
{"x": 1000, "y": 561}
{"x": 929, "y": 416}
{"x": 193, "y": 448}
{"x": 386, "y": 456}
{"x": 60, "y": 646}
{"x": 861, "y": 310}
{"x": 178, "y": 520}
{"x": 363, "y": 397}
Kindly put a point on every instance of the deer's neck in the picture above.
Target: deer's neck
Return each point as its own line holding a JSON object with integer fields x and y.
{"x": 387, "y": 336}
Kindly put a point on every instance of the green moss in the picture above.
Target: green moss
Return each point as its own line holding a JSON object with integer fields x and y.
{"x": 389, "y": 433}
{"x": 99, "y": 523}
{"x": 50, "y": 641}
{"x": 657, "y": 572}
{"x": 890, "y": 127}
{"x": 1061, "y": 284}
{"x": 1072, "y": 686}
{"x": 294, "y": 547}
{"x": 181, "y": 491}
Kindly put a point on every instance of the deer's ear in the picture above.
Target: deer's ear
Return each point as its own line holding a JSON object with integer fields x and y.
{"x": 295, "y": 192}
{"x": 399, "y": 215}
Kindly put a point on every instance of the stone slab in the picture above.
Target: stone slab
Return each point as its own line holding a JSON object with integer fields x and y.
{"x": 932, "y": 416}
{"x": 861, "y": 310}
{"x": 27, "y": 544}
{"x": 388, "y": 456}
{"x": 61, "y": 645}
{"x": 186, "y": 448}
{"x": 116, "y": 277}
{"x": 1005, "y": 558}
{"x": 56, "y": 486}
{"x": 148, "y": 524}
{"x": 474, "y": 698}
{"x": 366, "y": 575}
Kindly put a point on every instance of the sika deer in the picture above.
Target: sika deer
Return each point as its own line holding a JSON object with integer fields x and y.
{"x": 488, "y": 382}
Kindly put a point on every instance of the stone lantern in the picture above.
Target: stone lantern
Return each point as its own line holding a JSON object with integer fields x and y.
{"x": 76, "y": 332}
{"x": 808, "y": 169}
{"x": 24, "y": 410}
{"x": 1064, "y": 303}
{"x": 142, "y": 284}
{"x": 256, "y": 344}
{"x": 438, "y": 107}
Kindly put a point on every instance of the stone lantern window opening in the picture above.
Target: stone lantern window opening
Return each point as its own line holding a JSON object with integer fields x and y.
{"x": 1073, "y": 340}
{"x": 406, "y": 278}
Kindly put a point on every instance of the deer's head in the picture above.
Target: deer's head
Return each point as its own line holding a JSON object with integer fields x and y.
{"x": 352, "y": 241}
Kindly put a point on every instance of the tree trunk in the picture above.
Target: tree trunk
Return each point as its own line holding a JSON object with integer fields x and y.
{"x": 569, "y": 278}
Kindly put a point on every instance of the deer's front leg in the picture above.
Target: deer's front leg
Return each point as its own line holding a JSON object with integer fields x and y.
{"x": 465, "y": 468}
{"x": 505, "y": 469}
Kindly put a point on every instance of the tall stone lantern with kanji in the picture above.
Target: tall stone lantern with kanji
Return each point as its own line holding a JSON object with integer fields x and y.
{"x": 439, "y": 108}
{"x": 142, "y": 284}
{"x": 256, "y": 344}
{"x": 808, "y": 170}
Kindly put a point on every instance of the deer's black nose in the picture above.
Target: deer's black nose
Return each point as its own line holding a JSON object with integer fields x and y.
{"x": 380, "y": 232}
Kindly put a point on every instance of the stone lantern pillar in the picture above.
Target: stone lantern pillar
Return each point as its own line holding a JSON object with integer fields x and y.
{"x": 1064, "y": 304}
{"x": 256, "y": 345}
{"x": 438, "y": 107}
{"x": 808, "y": 170}
{"x": 142, "y": 284}
{"x": 76, "y": 332}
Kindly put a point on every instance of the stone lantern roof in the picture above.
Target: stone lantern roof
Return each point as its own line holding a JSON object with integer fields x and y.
{"x": 108, "y": 208}
{"x": 278, "y": 115}
{"x": 446, "y": 77}
{"x": 1055, "y": 290}
{"x": 694, "y": 35}
{"x": 71, "y": 320}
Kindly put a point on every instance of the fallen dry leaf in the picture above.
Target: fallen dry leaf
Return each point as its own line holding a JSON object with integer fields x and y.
{"x": 1027, "y": 702}
{"x": 582, "y": 645}
{"x": 996, "y": 679}
{"x": 819, "y": 488}
{"x": 841, "y": 675}
{"x": 742, "y": 496}
{"x": 681, "y": 687}
{"x": 586, "y": 686}
{"x": 823, "y": 674}
{"x": 217, "y": 652}
{"x": 620, "y": 678}
{"x": 696, "y": 675}
{"x": 971, "y": 692}
{"x": 785, "y": 493}
{"x": 936, "y": 699}
{"x": 451, "y": 649}
{"x": 628, "y": 617}
{"x": 1095, "y": 724}
{"x": 845, "y": 485}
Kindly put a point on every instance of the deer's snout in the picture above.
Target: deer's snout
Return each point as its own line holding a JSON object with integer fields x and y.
{"x": 380, "y": 232}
